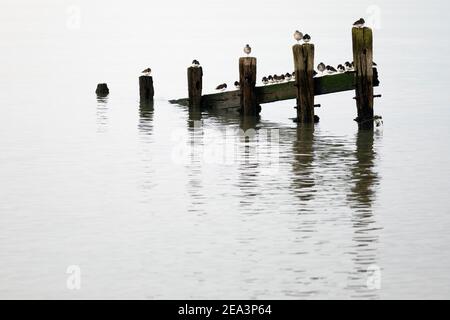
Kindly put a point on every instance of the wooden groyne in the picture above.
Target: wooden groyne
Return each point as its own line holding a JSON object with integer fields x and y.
{"x": 334, "y": 83}
{"x": 305, "y": 86}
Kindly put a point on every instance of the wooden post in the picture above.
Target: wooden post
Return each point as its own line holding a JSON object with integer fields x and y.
{"x": 247, "y": 80}
{"x": 195, "y": 75}
{"x": 363, "y": 60}
{"x": 304, "y": 82}
{"x": 102, "y": 89}
{"x": 146, "y": 90}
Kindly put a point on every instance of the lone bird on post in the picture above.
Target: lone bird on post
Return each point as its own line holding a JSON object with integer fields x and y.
{"x": 247, "y": 49}
{"x": 359, "y": 23}
{"x": 147, "y": 72}
{"x": 221, "y": 87}
{"x": 298, "y": 36}
{"x": 306, "y": 38}
{"x": 195, "y": 64}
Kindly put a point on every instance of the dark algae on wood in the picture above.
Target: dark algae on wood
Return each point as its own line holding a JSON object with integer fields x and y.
{"x": 102, "y": 89}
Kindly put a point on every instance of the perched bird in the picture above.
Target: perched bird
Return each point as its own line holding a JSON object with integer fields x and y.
{"x": 298, "y": 36}
{"x": 314, "y": 73}
{"x": 293, "y": 75}
{"x": 341, "y": 68}
{"x": 306, "y": 38}
{"x": 270, "y": 78}
{"x": 221, "y": 87}
{"x": 147, "y": 71}
{"x": 288, "y": 76}
{"x": 348, "y": 66}
{"x": 265, "y": 80}
{"x": 247, "y": 49}
{"x": 321, "y": 67}
{"x": 282, "y": 78}
{"x": 331, "y": 70}
{"x": 195, "y": 64}
{"x": 237, "y": 85}
{"x": 276, "y": 78}
{"x": 359, "y": 23}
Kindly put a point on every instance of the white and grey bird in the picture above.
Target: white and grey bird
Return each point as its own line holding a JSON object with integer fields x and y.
{"x": 195, "y": 63}
{"x": 265, "y": 81}
{"x": 331, "y": 70}
{"x": 306, "y": 38}
{"x": 147, "y": 72}
{"x": 348, "y": 66}
{"x": 340, "y": 68}
{"x": 237, "y": 85}
{"x": 321, "y": 67}
{"x": 288, "y": 76}
{"x": 270, "y": 79}
{"x": 247, "y": 49}
{"x": 298, "y": 36}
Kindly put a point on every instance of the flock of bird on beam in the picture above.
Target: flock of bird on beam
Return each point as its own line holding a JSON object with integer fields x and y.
{"x": 271, "y": 79}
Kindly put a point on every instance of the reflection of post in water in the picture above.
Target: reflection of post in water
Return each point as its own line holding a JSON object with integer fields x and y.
{"x": 365, "y": 278}
{"x": 102, "y": 112}
{"x": 146, "y": 108}
{"x": 247, "y": 159}
{"x": 364, "y": 179}
{"x": 303, "y": 150}
{"x": 194, "y": 116}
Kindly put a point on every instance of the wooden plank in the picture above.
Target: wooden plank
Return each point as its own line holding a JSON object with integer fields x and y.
{"x": 338, "y": 82}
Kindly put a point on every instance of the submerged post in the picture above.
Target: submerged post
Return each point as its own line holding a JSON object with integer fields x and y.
{"x": 247, "y": 80}
{"x": 304, "y": 82}
{"x": 146, "y": 90}
{"x": 363, "y": 63}
{"x": 102, "y": 89}
{"x": 195, "y": 75}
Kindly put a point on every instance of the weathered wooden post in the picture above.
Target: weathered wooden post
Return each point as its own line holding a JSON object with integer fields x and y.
{"x": 304, "y": 82}
{"x": 247, "y": 80}
{"x": 363, "y": 60}
{"x": 146, "y": 90}
{"x": 102, "y": 89}
{"x": 195, "y": 76}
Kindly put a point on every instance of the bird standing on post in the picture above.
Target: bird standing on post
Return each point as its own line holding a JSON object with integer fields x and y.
{"x": 298, "y": 36}
{"x": 195, "y": 64}
{"x": 359, "y": 23}
{"x": 147, "y": 72}
{"x": 306, "y": 38}
{"x": 247, "y": 49}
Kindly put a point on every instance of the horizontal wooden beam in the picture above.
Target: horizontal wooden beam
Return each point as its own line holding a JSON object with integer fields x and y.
{"x": 338, "y": 82}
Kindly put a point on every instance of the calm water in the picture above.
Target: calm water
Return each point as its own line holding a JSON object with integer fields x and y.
{"x": 152, "y": 202}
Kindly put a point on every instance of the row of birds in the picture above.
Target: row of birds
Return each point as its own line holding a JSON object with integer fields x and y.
{"x": 322, "y": 68}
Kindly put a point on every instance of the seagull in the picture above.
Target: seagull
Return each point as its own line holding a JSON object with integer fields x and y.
{"x": 265, "y": 81}
{"x": 359, "y": 23}
{"x": 340, "y": 68}
{"x": 348, "y": 66}
{"x": 321, "y": 67}
{"x": 270, "y": 79}
{"x": 195, "y": 64}
{"x": 298, "y": 36}
{"x": 288, "y": 76}
{"x": 221, "y": 87}
{"x": 147, "y": 72}
{"x": 247, "y": 49}
{"x": 237, "y": 85}
{"x": 331, "y": 70}
{"x": 306, "y": 38}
